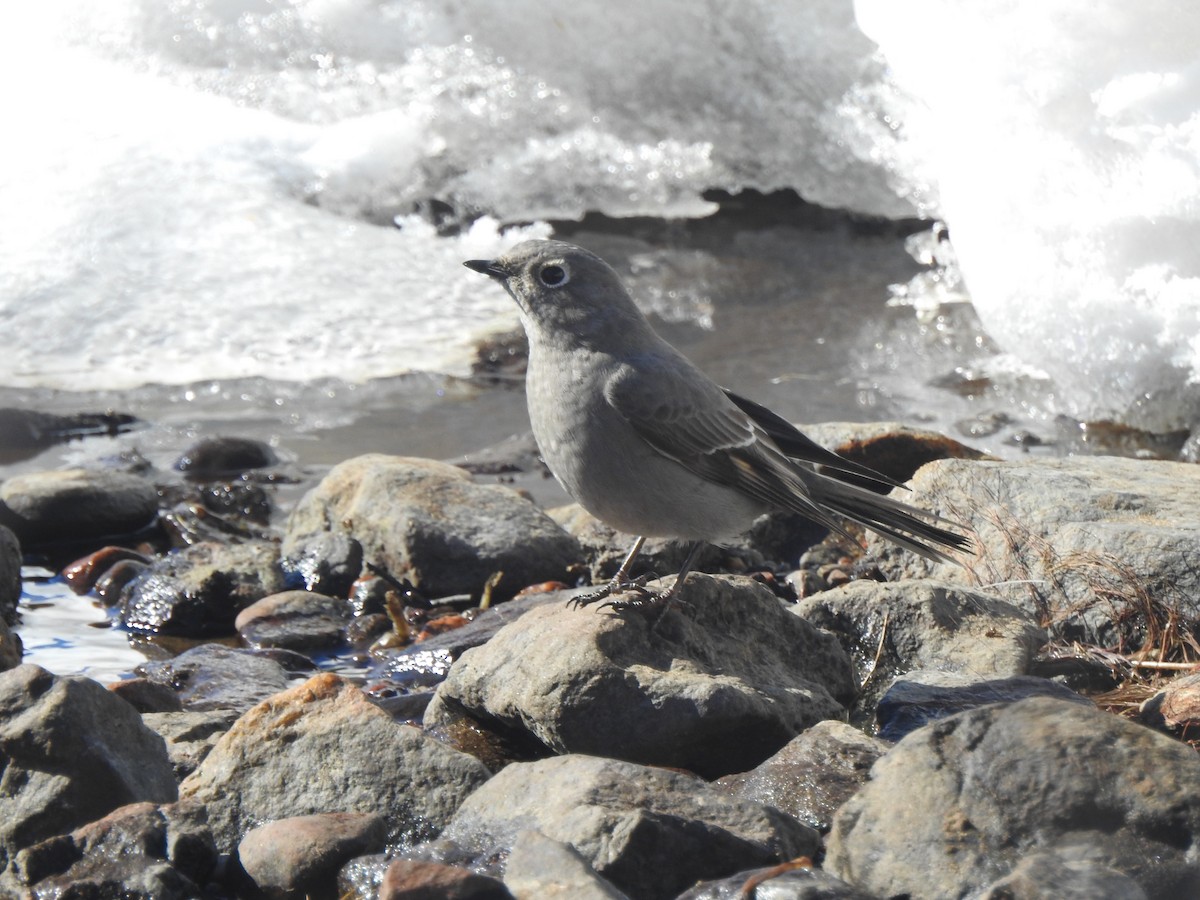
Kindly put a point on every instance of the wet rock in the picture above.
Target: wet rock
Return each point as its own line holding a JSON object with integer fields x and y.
{"x": 651, "y": 832}
{"x": 10, "y": 575}
{"x": 1070, "y": 875}
{"x": 928, "y": 624}
{"x": 223, "y": 457}
{"x": 190, "y": 735}
{"x": 199, "y": 591}
{"x": 813, "y": 775}
{"x": 27, "y": 431}
{"x": 214, "y": 677}
{"x": 327, "y": 562}
{"x": 432, "y": 524}
{"x": 137, "y": 851}
{"x": 452, "y": 644}
{"x": 680, "y": 693}
{"x": 72, "y": 753}
{"x": 778, "y": 883}
{"x": 538, "y": 867}
{"x": 895, "y": 450}
{"x": 146, "y": 695}
{"x": 324, "y": 747}
{"x": 75, "y": 504}
{"x": 296, "y": 620}
{"x": 962, "y": 802}
{"x": 300, "y": 856}
{"x": 926, "y": 695}
{"x": 1089, "y": 542}
{"x": 408, "y": 879}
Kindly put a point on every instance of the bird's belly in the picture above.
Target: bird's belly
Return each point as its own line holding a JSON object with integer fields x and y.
{"x": 620, "y": 479}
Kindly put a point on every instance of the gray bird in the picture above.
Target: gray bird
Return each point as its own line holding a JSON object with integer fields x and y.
{"x": 648, "y": 444}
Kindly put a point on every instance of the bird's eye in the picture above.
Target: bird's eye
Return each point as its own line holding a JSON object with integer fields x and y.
{"x": 553, "y": 276}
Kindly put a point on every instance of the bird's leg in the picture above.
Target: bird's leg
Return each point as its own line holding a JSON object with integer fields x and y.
{"x": 619, "y": 581}
{"x": 647, "y": 599}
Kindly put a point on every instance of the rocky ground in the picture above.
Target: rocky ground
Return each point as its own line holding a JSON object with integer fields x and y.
{"x": 816, "y": 721}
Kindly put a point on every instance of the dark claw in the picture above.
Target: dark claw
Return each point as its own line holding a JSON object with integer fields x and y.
{"x": 613, "y": 587}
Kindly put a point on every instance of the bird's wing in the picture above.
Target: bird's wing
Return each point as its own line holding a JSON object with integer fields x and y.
{"x": 801, "y": 448}
{"x": 687, "y": 418}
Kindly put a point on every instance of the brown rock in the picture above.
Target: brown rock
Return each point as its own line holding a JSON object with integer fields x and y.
{"x": 301, "y": 855}
{"x": 408, "y": 879}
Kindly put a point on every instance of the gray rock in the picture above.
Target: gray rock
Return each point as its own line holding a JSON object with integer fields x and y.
{"x": 929, "y": 624}
{"x": 813, "y": 775}
{"x": 216, "y": 677}
{"x": 649, "y": 831}
{"x": 73, "y": 504}
{"x": 926, "y": 695}
{"x": 1079, "y": 542}
{"x": 10, "y": 575}
{"x": 541, "y": 869}
{"x": 1067, "y": 875}
{"x": 962, "y": 802}
{"x": 324, "y": 747}
{"x": 778, "y": 883}
{"x": 136, "y": 851}
{"x": 297, "y": 620}
{"x": 300, "y": 856}
{"x": 72, "y": 752}
{"x": 190, "y": 735}
{"x": 715, "y": 688}
{"x": 431, "y": 523}
{"x": 199, "y": 590}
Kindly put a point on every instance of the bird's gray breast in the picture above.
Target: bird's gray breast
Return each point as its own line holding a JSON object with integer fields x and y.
{"x": 608, "y": 468}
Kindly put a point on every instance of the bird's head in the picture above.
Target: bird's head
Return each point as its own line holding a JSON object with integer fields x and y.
{"x": 564, "y": 291}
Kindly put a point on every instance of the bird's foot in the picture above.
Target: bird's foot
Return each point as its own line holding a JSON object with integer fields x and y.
{"x": 616, "y": 586}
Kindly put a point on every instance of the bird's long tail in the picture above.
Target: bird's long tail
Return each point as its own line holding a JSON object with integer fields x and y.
{"x": 913, "y": 528}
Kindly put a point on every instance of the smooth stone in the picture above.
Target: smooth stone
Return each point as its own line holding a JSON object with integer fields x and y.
{"x": 296, "y": 620}
{"x": 408, "y": 879}
{"x": 300, "y": 856}
{"x": 75, "y": 504}
{"x": 223, "y": 457}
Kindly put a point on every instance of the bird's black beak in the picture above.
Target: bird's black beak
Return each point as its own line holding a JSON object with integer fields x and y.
{"x": 488, "y": 267}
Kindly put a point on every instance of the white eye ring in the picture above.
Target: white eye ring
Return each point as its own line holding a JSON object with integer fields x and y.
{"x": 554, "y": 275}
